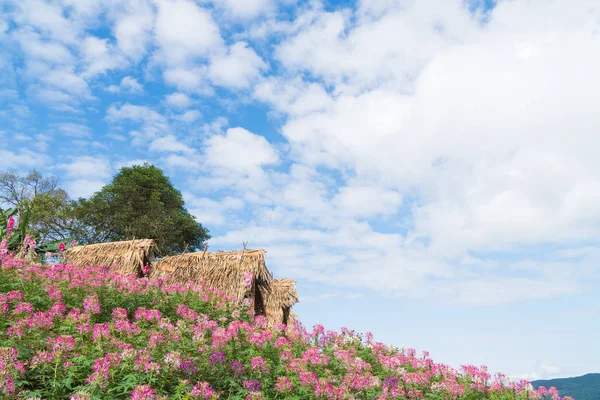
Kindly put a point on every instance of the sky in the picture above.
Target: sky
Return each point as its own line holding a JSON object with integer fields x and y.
{"x": 425, "y": 170}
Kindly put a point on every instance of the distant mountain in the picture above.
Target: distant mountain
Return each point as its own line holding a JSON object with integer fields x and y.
{"x": 586, "y": 387}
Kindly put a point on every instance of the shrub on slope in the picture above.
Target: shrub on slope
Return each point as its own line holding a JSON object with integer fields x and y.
{"x": 68, "y": 333}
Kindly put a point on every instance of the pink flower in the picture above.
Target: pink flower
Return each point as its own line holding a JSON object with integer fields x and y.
{"x": 10, "y": 225}
{"x": 204, "y": 391}
{"x": 61, "y": 247}
{"x": 146, "y": 270}
{"x": 248, "y": 279}
{"x": 142, "y": 392}
{"x": 258, "y": 364}
{"x": 80, "y": 396}
{"x": 283, "y": 384}
{"x": 91, "y": 304}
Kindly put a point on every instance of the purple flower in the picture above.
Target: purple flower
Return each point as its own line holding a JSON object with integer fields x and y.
{"x": 188, "y": 367}
{"x": 252, "y": 385}
{"x": 237, "y": 367}
{"x": 391, "y": 381}
{"x": 217, "y": 357}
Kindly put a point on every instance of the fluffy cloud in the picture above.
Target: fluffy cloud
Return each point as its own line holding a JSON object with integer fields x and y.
{"x": 236, "y": 69}
{"x": 170, "y": 144}
{"x": 367, "y": 201}
{"x": 184, "y": 31}
{"x": 74, "y": 130}
{"x": 100, "y": 56}
{"x": 239, "y": 151}
{"x": 211, "y": 212}
{"x": 133, "y": 28}
{"x": 87, "y": 167}
{"x": 178, "y": 100}
{"x": 189, "y": 116}
{"x": 85, "y": 175}
{"x": 151, "y": 122}
{"x": 22, "y": 159}
{"x": 128, "y": 85}
{"x": 247, "y": 9}
{"x": 294, "y": 97}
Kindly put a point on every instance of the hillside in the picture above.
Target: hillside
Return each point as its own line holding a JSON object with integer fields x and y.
{"x": 72, "y": 333}
{"x": 586, "y": 387}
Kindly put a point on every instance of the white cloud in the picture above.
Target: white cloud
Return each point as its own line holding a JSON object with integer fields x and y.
{"x": 133, "y": 29}
{"x": 362, "y": 55}
{"x": 100, "y": 56}
{"x": 179, "y": 161}
{"x": 128, "y": 85}
{"x": 367, "y": 201}
{"x": 34, "y": 46}
{"x": 294, "y": 97}
{"x": 22, "y": 158}
{"x": 83, "y": 187}
{"x": 246, "y": 9}
{"x": 237, "y": 69}
{"x": 185, "y": 32}
{"x": 213, "y": 213}
{"x": 170, "y": 144}
{"x": 87, "y": 167}
{"x": 132, "y": 85}
{"x": 239, "y": 151}
{"x": 152, "y": 123}
{"x": 193, "y": 79}
{"x": 189, "y": 116}
{"x": 178, "y": 100}
{"x": 74, "y": 130}
{"x": 68, "y": 81}
{"x": 48, "y": 18}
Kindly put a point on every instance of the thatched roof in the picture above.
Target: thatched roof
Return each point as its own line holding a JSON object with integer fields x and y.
{"x": 126, "y": 257}
{"x": 223, "y": 270}
{"x": 279, "y": 301}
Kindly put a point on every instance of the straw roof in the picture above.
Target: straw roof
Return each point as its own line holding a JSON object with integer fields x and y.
{"x": 126, "y": 257}
{"x": 279, "y": 301}
{"x": 223, "y": 270}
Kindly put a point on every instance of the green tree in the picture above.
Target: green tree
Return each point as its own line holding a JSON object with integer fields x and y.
{"x": 49, "y": 210}
{"x": 140, "y": 202}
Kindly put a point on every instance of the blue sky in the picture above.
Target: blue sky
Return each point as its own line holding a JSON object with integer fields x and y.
{"x": 424, "y": 170}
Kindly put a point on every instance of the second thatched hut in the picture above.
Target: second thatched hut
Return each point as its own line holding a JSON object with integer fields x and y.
{"x": 222, "y": 270}
{"x": 227, "y": 271}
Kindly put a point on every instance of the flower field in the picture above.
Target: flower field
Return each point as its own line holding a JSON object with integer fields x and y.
{"x": 68, "y": 333}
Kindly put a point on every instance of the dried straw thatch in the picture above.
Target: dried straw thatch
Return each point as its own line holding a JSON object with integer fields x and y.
{"x": 279, "y": 301}
{"x": 127, "y": 257}
{"x": 223, "y": 270}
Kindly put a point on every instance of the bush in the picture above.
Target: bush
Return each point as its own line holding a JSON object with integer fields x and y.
{"x": 69, "y": 333}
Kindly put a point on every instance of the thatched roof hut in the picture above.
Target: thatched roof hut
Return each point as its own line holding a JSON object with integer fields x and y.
{"x": 279, "y": 301}
{"x": 223, "y": 270}
{"x": 126, "y": 257}
{"x": 226, "y": 271}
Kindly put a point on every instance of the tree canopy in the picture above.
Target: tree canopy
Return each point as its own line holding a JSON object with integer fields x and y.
{"x": 140, "y": 202}
{"x": 48, "y": 208}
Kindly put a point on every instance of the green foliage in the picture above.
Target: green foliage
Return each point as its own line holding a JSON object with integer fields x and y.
{"x": 586, "y": 387}
{"x": 50, "y": 215}
{"x": 140, "y": 202}
{"x": 20, "y": 230}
